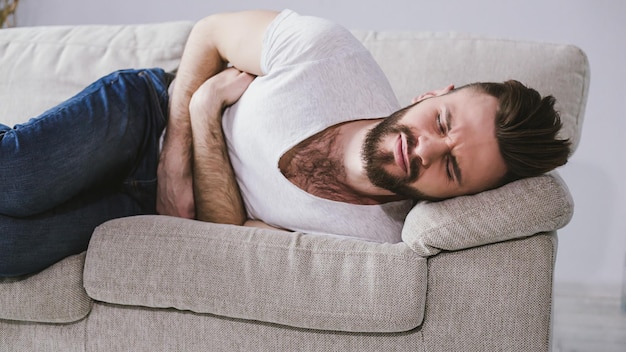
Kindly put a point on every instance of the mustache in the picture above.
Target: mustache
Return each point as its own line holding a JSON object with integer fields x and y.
{"x": 411, "y": 143}
{"x": 379, "y": 157}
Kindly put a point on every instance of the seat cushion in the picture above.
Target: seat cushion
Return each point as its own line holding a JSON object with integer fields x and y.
{"x": 305, "y": 281}
{"x": 55, "y": 295}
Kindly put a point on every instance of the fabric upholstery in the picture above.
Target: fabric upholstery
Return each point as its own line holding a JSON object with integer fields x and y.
{"x": 55, "y": 295}
{"x": 41, "y": 67}
{"x": 504, "y": 288}
{"x": 486, "y": 298}
{"x": 540, "y": 204}
{"x": 424, "y": 61}
{"x": 504, "y": 308}
{"x": 308, "y": 281}
{"x": 114, "y": 328}
{"x": 54, "y": 63}
{"x": 21, "y": 336}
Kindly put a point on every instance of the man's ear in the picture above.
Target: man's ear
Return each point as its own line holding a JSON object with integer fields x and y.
{"x": 433, "y": 93}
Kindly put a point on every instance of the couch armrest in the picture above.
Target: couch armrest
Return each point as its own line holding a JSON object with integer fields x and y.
{"x": 518, "y": 209}
{"x": 307, "y": 281}
{"x": 496, "y": 297}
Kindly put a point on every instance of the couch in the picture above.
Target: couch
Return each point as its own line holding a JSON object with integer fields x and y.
{"x": 472, "y": 273}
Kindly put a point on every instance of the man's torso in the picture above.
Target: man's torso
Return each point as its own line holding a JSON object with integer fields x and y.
{"x": 317, "y": 76}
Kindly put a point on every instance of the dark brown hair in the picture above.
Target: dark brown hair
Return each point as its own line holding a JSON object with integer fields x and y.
{"x": 526, "y": 129}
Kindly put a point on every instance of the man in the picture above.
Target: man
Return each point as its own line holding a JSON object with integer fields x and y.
{"x": 316, "y": 79}
{"x": 304, "y": 147}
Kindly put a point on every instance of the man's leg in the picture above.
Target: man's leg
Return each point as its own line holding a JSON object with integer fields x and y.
{"x": 68, "y": 170}
{"x": 92, "y": 140}
{"x": 28, "y": 245}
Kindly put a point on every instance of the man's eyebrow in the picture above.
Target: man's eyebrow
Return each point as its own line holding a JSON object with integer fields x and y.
{"x": 455, "y": 163}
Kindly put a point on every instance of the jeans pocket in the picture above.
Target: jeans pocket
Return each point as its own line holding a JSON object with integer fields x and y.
{"x": 158, "y": 81}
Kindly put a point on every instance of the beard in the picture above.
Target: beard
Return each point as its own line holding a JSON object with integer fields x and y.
{"x": 375, "y": 158}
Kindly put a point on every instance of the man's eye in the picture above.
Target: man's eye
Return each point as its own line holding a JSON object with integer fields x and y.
{"x": 449, "y": 170}
{"x": 440, "y": 125}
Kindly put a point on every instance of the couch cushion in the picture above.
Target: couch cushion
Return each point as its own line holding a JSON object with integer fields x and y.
{"x": 55, "y": 295}
{"x": 306, "y": 281}
{"x": 519, "y": 209}
{"x": 43, "y": 66}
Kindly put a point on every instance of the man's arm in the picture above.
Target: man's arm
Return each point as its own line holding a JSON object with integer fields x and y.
{"x": 216, "y": 192}
{"x": 216, "y": 40}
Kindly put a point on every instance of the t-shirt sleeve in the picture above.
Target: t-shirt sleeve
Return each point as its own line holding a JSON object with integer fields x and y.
{"x": 293, "y": 39}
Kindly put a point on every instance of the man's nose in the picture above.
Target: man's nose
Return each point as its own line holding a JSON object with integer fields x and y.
{"x": 431, "y": 149}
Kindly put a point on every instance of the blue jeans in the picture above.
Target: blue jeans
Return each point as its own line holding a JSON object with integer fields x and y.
{"x": 91, "y": 159}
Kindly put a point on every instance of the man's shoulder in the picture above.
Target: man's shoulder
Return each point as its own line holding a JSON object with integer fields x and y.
{"x": 293, "y": 39}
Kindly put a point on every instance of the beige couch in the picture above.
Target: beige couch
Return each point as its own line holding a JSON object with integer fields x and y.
{"x": 472, "y": 273}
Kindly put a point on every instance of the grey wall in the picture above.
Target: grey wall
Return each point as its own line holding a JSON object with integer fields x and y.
{"x": 592, "y": 247}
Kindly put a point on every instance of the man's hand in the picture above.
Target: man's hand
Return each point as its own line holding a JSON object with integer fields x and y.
{"x": 175, "y": 190}
{"x": 218, "y": 92}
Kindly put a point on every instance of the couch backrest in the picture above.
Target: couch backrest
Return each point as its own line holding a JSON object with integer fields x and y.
{"x": 417, "y": 62}
{"x": 42, "y": 66}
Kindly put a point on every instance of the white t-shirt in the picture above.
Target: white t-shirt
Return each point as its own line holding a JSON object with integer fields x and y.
{"x": 316, "y": 75}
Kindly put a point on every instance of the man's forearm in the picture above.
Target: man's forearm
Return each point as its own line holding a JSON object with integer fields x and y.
{"x": 216, "y": 192}
{"x": 176, "y": 155}
{"x": 215, "y": 40}
{"x": 200, "y": 60}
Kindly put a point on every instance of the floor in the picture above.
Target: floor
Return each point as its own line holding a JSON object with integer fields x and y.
{"x": 587, "y": 321}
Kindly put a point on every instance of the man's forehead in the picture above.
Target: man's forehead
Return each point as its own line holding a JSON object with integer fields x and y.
{"x": 472, "y": 102}
{"x": 473, "y": 112}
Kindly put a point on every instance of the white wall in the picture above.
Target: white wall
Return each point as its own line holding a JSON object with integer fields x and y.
{"x": 592, "y": 247}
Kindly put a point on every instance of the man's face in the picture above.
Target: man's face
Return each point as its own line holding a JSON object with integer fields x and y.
{"x": 442, "y": 147}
